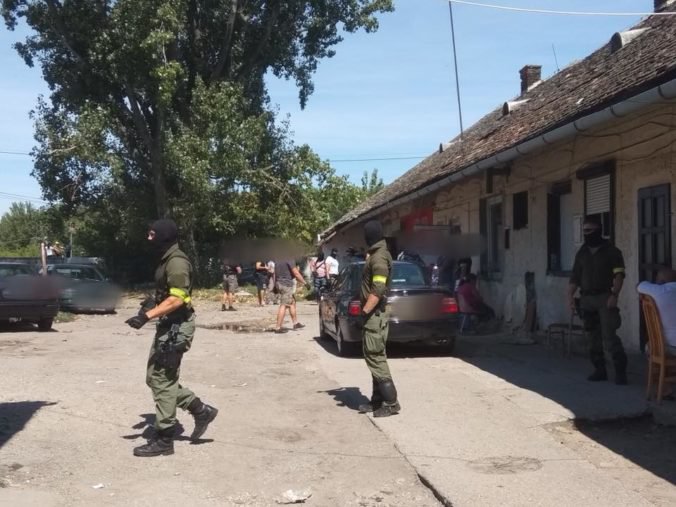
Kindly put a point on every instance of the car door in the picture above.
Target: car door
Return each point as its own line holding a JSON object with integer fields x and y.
{"x": 333, "y": 299}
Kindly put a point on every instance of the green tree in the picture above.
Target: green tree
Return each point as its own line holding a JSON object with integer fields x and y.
{"x": 136, "y": 83}
{"x": 371, "y": 183}
{"x": 22, "y": 228}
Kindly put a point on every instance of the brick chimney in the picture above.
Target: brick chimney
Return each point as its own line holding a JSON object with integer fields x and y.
{"x": 662, "y": 4}
{"x": 530, "y": 75}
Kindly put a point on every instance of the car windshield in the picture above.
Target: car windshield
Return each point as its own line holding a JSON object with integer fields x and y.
{"x": 407, "y": 275}
{"x": 15, "y": 269}
{"x": 77, "y": 272}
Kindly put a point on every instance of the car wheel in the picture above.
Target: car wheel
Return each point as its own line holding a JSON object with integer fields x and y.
{"x": 45, "y": 324}
{"x": 345, "y": 349}
{"x": 449, "y": 346}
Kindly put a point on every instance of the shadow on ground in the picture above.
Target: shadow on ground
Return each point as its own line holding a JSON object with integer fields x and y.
{"x": 394, "y": 350}
{"x": 147, "y": 425}
{"x": 640, "y": 440}
{"x": 614, "y": 416}
{"x": 350, "y": 397}
{"x": 15, "y": 415}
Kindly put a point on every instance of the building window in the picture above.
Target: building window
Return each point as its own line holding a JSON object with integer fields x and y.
{"x": 562, "y": 236}
{"x": 599, "y": 199}
{"x": 520, "y": 210}
{"x": 492, "y": 229}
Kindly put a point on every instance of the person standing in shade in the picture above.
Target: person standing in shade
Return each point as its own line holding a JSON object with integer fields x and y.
{"x": 174, "y": 334}
{"x": 375, "y": 322}
{"x": 598, "y": 271}
{"x": 286, "y": 273}
{"x": 230, "y": 285}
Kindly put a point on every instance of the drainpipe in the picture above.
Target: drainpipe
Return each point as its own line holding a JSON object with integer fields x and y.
{"x": 666, "y": 91}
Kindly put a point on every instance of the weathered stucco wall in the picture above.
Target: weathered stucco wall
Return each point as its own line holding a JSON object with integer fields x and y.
{"x": 643, "y": 147}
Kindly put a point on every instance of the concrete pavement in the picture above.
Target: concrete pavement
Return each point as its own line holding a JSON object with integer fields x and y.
{"x": 487, "y": 426}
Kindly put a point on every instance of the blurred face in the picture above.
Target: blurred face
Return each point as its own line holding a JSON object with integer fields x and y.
{"x": 151, "y": 235}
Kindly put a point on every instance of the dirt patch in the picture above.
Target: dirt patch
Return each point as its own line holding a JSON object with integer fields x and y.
{"x": 505, "y": 465}
{"x": 258, "y": 326}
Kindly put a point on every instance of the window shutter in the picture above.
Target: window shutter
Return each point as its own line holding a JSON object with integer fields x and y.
{"x": 597, "y": 195}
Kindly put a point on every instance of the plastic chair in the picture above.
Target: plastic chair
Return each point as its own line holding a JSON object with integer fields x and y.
{"x": 658, "y": 356}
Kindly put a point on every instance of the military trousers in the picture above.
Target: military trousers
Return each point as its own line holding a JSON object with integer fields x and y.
{"x": 168, "y": 393}
{"x": 601, "y": 324}
{"x": 374, "y": 340}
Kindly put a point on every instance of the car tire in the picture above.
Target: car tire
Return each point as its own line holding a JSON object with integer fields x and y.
{"x": 449, "y": 346}
{"x": 45, "y": 324}
{"x": 345, "y": 349}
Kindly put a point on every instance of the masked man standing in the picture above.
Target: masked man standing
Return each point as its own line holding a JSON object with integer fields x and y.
{"x": 598, "y": 271}
{"x": 374, "y": 285}
{"x": 173, "y": 337}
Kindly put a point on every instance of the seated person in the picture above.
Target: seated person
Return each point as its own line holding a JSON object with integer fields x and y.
{"x": 664, "y": 294}
{"x": 471, "y": 302}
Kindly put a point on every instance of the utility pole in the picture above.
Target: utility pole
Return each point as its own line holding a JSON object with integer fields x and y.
{"x": 455, "y": 62}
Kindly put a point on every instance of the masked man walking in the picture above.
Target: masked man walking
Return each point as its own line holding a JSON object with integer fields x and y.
{"x": 375, "y": 318}
{"x": 173, "y": 337}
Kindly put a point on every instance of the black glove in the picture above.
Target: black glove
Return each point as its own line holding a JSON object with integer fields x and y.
{"x": 137, "y": 321}
{"x": 147, "y": 304}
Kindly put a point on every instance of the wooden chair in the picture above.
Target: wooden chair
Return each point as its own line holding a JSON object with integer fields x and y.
{"x": 566, "y": 330}
{"x": 658, "y": 356}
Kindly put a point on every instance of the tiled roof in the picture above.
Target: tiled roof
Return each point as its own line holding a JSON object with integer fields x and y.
{"x": 603, "y": 78}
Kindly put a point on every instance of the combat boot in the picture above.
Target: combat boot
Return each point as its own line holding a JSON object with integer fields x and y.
{"x": 376, "y": 399}
{"x": 160, "y": 445}
{"x": 203, "y": 414}
{"x": 390, "y": 405}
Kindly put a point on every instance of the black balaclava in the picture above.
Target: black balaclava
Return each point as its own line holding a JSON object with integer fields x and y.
{"x": 320, "y": 256}
{"x": 373, "y": 232}
{"x": 166, "y": 235}
{"x": 594, "y": 238}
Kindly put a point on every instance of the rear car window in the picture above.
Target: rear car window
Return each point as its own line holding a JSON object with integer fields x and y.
{"x": 15, "y": 269}
{"x": 407, "y": 274}
{"x": 79, "y": 273}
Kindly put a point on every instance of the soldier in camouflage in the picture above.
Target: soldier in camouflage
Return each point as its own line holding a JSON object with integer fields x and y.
{"x": 375, "y": 318}
{"x": 173, "y": 337}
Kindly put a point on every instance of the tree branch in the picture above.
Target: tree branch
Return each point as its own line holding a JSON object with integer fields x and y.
{"x": 226, "y": 47}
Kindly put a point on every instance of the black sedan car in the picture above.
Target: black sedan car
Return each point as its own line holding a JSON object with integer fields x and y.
{"x": 418, "y": 311}
{"x": 27, "y": 296}
{"x": 84, "y": 288}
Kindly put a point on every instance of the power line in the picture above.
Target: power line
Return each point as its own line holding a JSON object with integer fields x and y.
{"x": 20, "y": 196}
{"x": 14, "y": 153}
{"x": 566, "y": 13}
{"x": 376, "y": 159}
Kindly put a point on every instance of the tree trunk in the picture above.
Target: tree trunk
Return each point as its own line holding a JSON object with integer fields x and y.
{"x": 158, "y": 167}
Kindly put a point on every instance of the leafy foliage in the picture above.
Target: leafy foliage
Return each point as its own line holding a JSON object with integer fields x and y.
{"x": 159, "y": 108}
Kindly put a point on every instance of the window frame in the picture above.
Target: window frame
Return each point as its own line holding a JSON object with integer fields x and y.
{"x": 554, "y": 236}
{"x": 596, "y": 170}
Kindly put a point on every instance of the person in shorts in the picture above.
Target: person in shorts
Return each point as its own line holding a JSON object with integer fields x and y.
{"x": 286, "y": 273}
{"x": 230, "y": 285}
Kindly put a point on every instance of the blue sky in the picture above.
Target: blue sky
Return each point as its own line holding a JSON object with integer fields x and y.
{"x": 385, "y": 95}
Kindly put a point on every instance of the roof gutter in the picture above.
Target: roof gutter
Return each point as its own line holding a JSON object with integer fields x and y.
{"x": 666, "y": 91}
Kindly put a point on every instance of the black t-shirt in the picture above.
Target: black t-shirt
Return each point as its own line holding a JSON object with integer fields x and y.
{"x": 229, "y": 270}
{"x": 595, "y": 271}
{"x": 283, "y": 273}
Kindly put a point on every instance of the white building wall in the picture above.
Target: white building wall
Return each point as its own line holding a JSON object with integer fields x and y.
{"x": 644, "y": 149}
